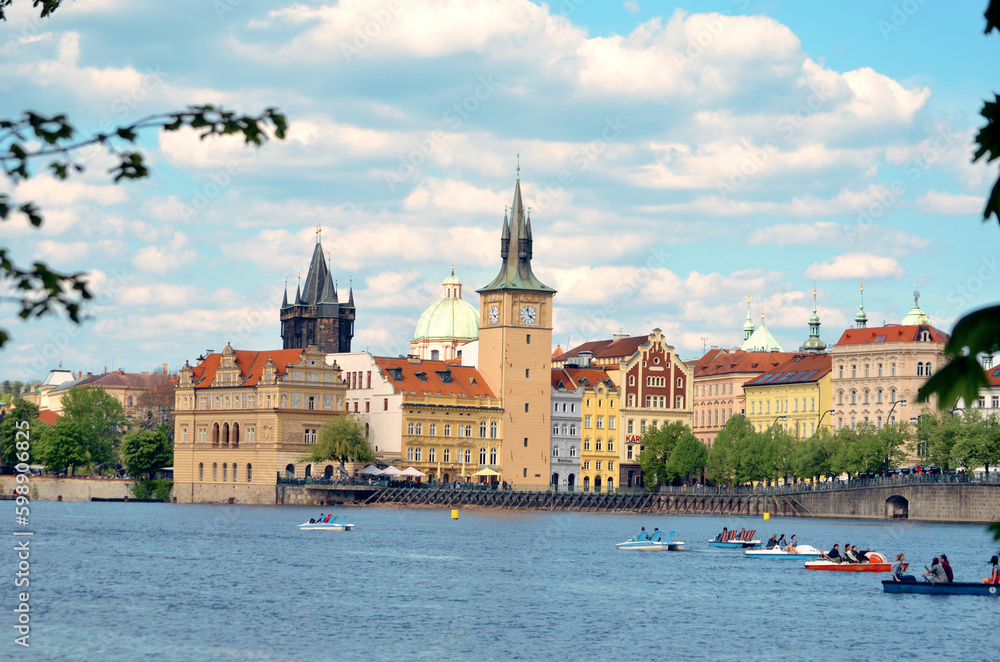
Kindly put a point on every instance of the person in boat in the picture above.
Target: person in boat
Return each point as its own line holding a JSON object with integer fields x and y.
{"x": 897, "y": 570}
{"x": 862, "y": 555}
{"x": 994, "y": 577}
{"x": 722, "y": 536}
{"x": 772, "y": 542}
{"x": 936, "y": 575}
{"x": 782, "y": 542}
{"x": 834, "y": 554}
{"x": 312, "y": 521}
{"x": 642, "y": 534}
{"x": 947, "y": 568}
{"x": 793, "y": 546}
{"x": 849, "y": 555}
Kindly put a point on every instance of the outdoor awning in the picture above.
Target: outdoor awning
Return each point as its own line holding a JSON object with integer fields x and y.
{"x": 392, "y": 471}
{"x": 410, "y": 471}
{"x": 486, "y": 472}
{"x": 371, "y": 470}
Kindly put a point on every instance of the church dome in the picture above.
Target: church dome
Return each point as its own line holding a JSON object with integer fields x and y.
{"x": 450, "y": 317}
{"x": 916, "y": 317}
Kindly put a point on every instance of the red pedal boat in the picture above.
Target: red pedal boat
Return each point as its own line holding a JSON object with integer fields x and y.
{"x": 876, "y": 563}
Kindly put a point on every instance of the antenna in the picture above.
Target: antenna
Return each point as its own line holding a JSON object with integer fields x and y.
{"x": 704, "y": 344}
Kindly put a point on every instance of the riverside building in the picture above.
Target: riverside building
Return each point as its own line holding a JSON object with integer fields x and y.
{"x": 794, "y": 395}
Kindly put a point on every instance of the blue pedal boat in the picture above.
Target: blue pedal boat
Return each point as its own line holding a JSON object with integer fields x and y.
{"x": 337, "y": 524}
{"x": 954, "y": 588}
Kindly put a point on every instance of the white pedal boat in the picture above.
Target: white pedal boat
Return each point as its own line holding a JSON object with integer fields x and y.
{"x": 654, "y": 543}
{"x": 337, "y": 524}
{"x": 803, "y": 552}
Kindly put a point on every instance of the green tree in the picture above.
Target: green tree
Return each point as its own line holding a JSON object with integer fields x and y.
{"x": 938, "y": 433}
{"x": 63, "y": 447}
{"x": 342, "y": 438}
{"x": 144, "y": 452}
{"x": 101, "y": 419}
{"x": 22, "y": 411}
{"x": 40, "y": 289}
{"x": 813, "y": 457}
{"x": 660, "y": 446}
{"x": 688, "y": 458}
{"x": 724, "y": 456}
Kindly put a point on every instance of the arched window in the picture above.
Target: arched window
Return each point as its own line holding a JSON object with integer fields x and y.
{"x": 572, "y": 430}
{"x": 482, "y": 456}
{"x": 866, "y": 396}
{"x": 215, "y": 472}
{"x": 680, "y": 384}
{"x": 290, "y": 471}
{"x": 493, "y": 428}
{"x": 597, "y": 483}
{"x": 482, "y": 429}
{"x": 236, "y": 433}
{"x": 225, "y": 471}
{"x": 435, "y": 355}
{"x": 234, "y": 471}
{"x": 840, "y": 398}
{"x": 854, "y": 397}
{"x": 927, "y": 369}
{"x": 201, "y": 471}
{"x": 130, "y": 401}
{"x": 586, "y": 483}
{"x": 555, "y": 429}
{"x": 920, "y": 369}
{"x": 409, "y": 454}
{"x": 215, "y": 433}
{"x": 468, "y": 430}
{"x": 878, "y": 397}
{"x": 611, "y": 483}
{"x": 309, "y": 471}
{"x": 493, "y": 456}
{"x": 225, "y": 433}
{"x": 249, "y": 473}
{"x": 892, "y": 395}
{"x": 368, "y": 429}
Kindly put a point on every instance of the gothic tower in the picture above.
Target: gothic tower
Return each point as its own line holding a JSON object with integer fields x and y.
{"x": 316, "y": 317}
{"x": 515, "y": 348}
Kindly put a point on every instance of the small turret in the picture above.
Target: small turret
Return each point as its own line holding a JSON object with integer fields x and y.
{"x": 748, "y": 326}
{"x": 861, "y": 319}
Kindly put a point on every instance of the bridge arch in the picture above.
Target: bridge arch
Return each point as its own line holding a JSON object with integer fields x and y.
{"x": 897, "y": 507}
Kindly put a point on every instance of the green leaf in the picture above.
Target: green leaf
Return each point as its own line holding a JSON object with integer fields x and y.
{"x": 977, "y": 332}
{"x": 992, "y": 16}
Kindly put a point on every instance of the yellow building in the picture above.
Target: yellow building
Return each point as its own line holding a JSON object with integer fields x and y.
{"x": 515, "y": 347}
{"x": 795, "y": 395}
{"x": 451, "y": 423}
{"x": 599, "y": 430}
{"x": 244, "y": 418}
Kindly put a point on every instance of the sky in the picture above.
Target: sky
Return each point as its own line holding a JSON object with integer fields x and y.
{"x": 675, "y": 157}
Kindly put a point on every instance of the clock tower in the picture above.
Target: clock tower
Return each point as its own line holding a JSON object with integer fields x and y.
{"x": 515, "y": 351}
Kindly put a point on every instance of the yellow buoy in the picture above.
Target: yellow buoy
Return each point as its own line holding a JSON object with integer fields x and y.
{"x": 767, "y": 516}
{"x": 454, "y": 513}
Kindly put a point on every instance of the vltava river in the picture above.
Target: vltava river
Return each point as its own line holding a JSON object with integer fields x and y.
{"x": 115, "y": 581}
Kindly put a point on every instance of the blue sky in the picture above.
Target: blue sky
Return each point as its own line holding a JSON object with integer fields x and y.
{"x": 675, "y": 156}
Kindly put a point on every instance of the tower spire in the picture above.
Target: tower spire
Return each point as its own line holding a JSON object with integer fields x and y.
{"x": 861, "y": 319}
{"x": 748, "y": 326}
{"x": 284, "y": 299}
{"x": 813, "y": 343}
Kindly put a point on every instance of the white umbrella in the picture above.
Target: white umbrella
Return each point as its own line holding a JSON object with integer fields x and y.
{"x": 371, "y": 470}
{"x": 410, "y": 471}
{"x": 391, "y": 471}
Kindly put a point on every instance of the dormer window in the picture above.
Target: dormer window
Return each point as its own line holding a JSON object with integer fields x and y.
{"x": 445, "y": 376}
{"x": 422, "y": 376}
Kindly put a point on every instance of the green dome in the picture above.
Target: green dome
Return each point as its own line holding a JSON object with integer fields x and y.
{"x": 451, "y": 317}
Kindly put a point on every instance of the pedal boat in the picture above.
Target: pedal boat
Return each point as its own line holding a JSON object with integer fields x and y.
{"x": 337, "y": 524}
{"x": 803, "y": 551}
{"x": 876, "y": 563}
{"x": 654, "y": 544}
{"x": 954, "y": 588}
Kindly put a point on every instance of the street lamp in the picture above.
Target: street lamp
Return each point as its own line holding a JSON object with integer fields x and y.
{"x": 902, "y": 403}
{"x": 820, "y": 424}
{"x": 779, "y": 418}
{"x": 954, "y": 409}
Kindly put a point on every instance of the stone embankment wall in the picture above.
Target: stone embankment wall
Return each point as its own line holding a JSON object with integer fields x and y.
{"x": 45, "y": 488}
{"x": 245, "y": 493}
{"x": 945, "y": 502}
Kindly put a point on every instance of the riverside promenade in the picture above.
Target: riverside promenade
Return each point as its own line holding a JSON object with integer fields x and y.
{"x": 937, "y": 498}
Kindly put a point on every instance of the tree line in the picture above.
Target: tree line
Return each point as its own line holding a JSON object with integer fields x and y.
{"x": 740, "y": 454}
{"x": 92, "y": 437}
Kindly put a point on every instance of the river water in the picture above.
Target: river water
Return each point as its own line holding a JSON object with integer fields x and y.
{"x": 137, "y": 581}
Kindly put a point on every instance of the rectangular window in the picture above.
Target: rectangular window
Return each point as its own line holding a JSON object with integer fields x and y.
{"x": 628, "y": 452}
{"x": 879, "y": 369}
{"x": 525, "y": 407}
{"x": 369, "y": 384}
{"x": 866, "y": 370}
{"x": 447, "y": 432}
{"x": 525, "y": 442}
{"x": 642, "y": 427}
{"x": 586, "y": 465}
{"x": 527, "y": 339}
{"x": 433, "y": 431}
{"x": 628, "y": 426}
{"x": 611, "y": 466}
{"x": 416, "y": 455}
{"x": 600, "y": 422}
{"x": 409, "y": 454}
{"x": 368, "y": 406}
{"x": 598, "y": 466}
{"x": 854, "y": 371}
{"x": 431, "y": 454}
{"x": 447, "y": 455}
{"x": 184, "y": 434}
{"x": 611, "y": 444}
{"x": 995, "y": 401}
{"x": 409, "y": 428}
{"x": 527, "y": 373}
{"x": 840, "y": 373}
{"x": 586, "y": 422}
{"x": 611, "y": 422}
{"x": 420, "y": 428}
{"x": 892, "y": 369}
{"x": 385, "y": 404}
{"x": 312, "y": 402}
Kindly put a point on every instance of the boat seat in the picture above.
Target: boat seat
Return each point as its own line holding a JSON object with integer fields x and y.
{"x": 670, "y": 536}
{"x": 656, "y": 536}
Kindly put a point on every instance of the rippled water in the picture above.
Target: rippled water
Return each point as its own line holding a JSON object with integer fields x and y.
{"x": 198, "y": 582}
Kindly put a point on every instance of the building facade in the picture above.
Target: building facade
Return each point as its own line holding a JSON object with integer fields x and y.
{"x": 244, "y": 419}
{"x": 718, "y": 393}
{"x": 794, "y": 395}
{"x": 515, "y": 343}
{"x": 601, "y": 411}
{"x": 567, "y": 405}
{"x": 316, "y": 316}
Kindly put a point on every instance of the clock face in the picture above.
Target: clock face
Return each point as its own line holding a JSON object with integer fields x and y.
{"x": 494, "y": 314}
{"x": 528, "y": 315}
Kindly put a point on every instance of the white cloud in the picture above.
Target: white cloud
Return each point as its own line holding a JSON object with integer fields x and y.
{"x": 825, "y": 233}
{"x": 949, "y": 204}
{"x": 167, "y": 258}
{"x": 855, "y": 266}
{"x": 631, "y": 6}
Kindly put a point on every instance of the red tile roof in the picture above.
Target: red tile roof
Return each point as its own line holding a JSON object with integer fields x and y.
{"x": 993, "y": 374}
{"x": 800, "y": 369}
{"x": 724, "y": 362}
{"x": 890, "y": 333}
{"x": 405, "y": 376}
{"x": 557, "y": 353}
{"x": 607, "y": 349}
{"x": 250, "y": 363}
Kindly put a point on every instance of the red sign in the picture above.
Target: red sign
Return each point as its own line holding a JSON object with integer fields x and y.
{"x": 633, "y": 438}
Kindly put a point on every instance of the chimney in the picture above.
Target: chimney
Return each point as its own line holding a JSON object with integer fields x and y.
{"x": 987, "y": 361}
{"x": 165, "y": 369}
{"x": 615, "y": 337}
